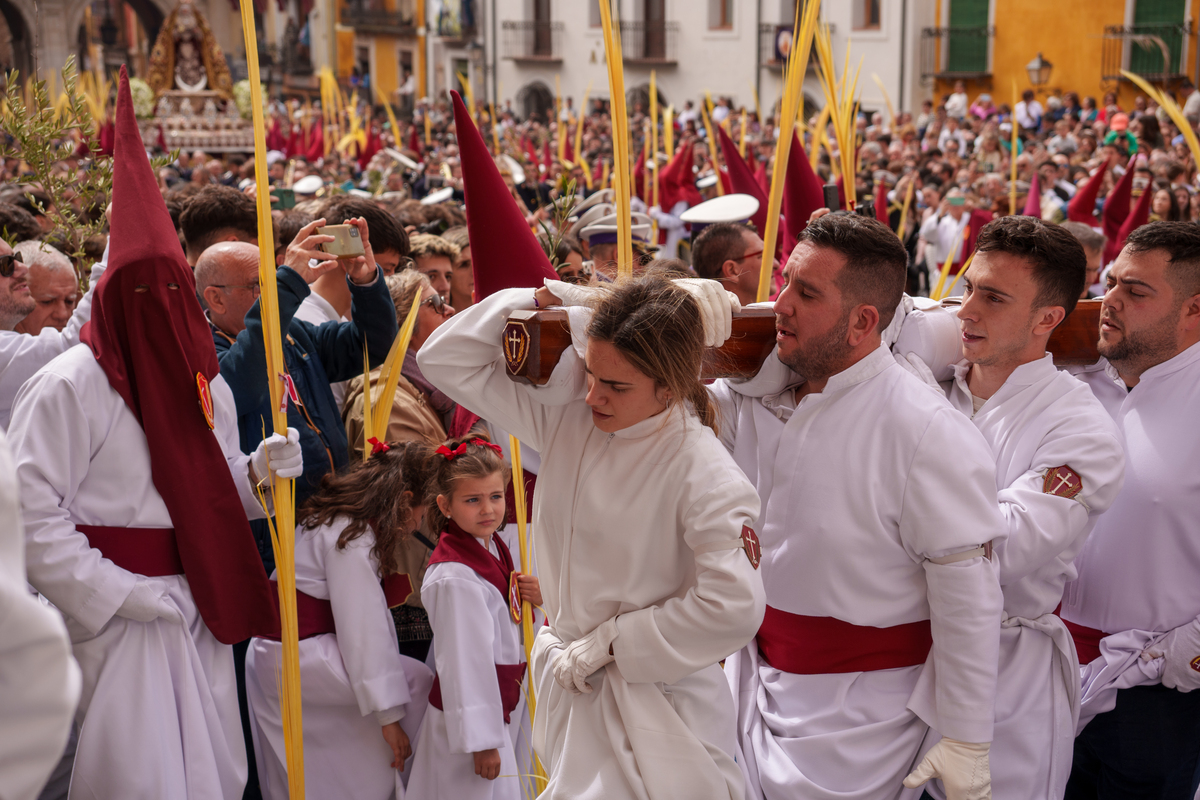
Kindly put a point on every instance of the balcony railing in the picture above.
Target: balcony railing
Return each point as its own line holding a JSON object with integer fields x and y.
{"x": 532, "y": 40}
{"x": 367, "y": 17}
{"x": 769, "y": 50}
{"x": 954, "y": 53}
{"x": 1156, "y": 52}
{"x": 649, "y": 42}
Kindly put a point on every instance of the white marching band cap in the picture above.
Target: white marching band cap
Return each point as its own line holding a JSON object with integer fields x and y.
{"x": 440, "y": 196}
{"x": 514, "y": 167}
{"x": 308, "y": 185}
{"x": 604, "y": 230}
{"x": 591, "y": 201}
{"x": 593, "y": 214}
{"x": 727, "y": 208}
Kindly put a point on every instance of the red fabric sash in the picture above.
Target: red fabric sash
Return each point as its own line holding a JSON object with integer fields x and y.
{"x": 1087, "y": 641}
{"x": 824, "y": 645}
{"x": 509, "y": 676}
{"x": 147, "y": 551}
{"x": 455, "y": 544}
{"x": 314, "y": 616}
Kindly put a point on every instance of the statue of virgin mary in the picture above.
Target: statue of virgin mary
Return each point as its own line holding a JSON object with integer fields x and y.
{"x": 186, "y": 56}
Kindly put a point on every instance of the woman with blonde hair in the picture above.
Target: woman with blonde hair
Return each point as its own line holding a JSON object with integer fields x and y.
{"x": 413, "y": 416}
{"x": 642, "y": 526}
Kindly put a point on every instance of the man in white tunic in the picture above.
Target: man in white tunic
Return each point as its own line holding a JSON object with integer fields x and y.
{"x": 883, "y": 613}
{"x": 22, "y": 354}
{"x": 39, "y": 682}
{"x": 1059, "y": 466}
{"x": 135, "y": 500}
{"x": 1133, "y": 609}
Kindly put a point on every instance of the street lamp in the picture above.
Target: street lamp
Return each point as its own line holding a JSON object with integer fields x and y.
{"x": 1039, "y": 71}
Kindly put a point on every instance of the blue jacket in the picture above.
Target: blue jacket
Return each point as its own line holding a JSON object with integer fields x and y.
{"x": 316, "y": 355}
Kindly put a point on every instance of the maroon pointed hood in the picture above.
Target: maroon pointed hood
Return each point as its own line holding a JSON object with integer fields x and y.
{"x": 1136, "y": 219}
{"x": 1082, "y": 207}
{"x": 150, "y": 337}
{"x": 1116, "y": 211}
{"x": 802, "y": 193}
{"x": 1033, "y": 200}
{"x": 881, "y": 204}
{"x": 504, "y": 252}
{"x": 742, "y": 181}
{"x": 677, "y": 181}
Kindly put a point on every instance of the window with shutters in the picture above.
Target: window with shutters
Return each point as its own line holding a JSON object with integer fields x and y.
{"x": 866, "y": 14}
{"x": 1158, "y": 25}
{"x": 594, "y": 12}
{"x": 720, "y": 15}
{"x": 967, "y": 46}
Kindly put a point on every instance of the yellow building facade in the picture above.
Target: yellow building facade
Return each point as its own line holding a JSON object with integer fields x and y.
{"x": 988, "y": 43}
{"x": 382, "y": 39}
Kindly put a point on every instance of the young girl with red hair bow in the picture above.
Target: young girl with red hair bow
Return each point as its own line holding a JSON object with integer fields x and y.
{"x": 472, "y": 592}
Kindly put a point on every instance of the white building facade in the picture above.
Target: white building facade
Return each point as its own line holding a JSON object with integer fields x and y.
{"x": 724, "y": 47}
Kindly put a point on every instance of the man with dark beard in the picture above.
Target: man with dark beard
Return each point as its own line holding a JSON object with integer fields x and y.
{"x": 1133, "y": 610}
{"x": 878, "y": 498}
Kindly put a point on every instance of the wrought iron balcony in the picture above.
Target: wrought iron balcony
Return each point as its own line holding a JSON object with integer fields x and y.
{"x": 956, "y": 53}
{"x": 367, "y": 16}
{"x": 532, "y": 40}
{"x": 1153, "y": 51}
{"x": 651, "y": 42}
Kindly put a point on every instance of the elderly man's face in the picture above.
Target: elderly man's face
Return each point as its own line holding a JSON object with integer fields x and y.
{"x": 55, "y": 292}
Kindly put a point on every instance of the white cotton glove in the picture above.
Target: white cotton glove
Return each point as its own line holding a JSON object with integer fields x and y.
{"x": 962, "y": 766}
{"x": 1181, "y": 663}
{"x": 716, "y": 308}
{"x": 570, "y": 294}
{"x": 584, "y": 656}
{"x": 279, "y": 455}
{"x": 149, "y": 601}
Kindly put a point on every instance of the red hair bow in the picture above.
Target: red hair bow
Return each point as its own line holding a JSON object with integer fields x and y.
{"x": 482, "y": 443}
{"x": 377, "y": 446}
{"x": 462, "y": 449}
{"x": 450, "y": 454}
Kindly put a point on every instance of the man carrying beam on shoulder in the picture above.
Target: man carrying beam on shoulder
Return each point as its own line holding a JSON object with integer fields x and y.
{"x": 1059, "y": 466}
{"x": 874, "y": 544}
{"x": 136, "y": 500}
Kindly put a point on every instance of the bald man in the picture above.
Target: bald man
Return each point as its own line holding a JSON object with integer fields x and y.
{"x": 227, "y": 282}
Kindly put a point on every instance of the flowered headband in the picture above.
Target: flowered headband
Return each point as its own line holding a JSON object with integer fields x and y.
{"x": 462, "y": 449}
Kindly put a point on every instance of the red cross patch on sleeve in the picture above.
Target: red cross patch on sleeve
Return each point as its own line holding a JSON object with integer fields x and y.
{"x": 1062, "y": 482}
{"x": 751, "y": 546}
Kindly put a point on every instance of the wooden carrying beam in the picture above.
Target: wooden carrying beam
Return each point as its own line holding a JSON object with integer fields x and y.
{"x": 534, "y": 340}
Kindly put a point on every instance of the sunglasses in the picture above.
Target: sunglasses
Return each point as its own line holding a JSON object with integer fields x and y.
{"x": 439, "y": 305}
{"x": 8, "y": 264}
